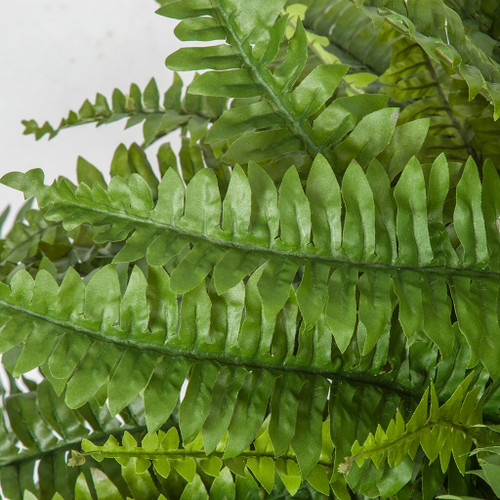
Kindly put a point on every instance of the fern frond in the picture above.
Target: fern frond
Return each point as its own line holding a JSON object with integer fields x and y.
{"x": 91, "y": 339}
{"x": 422, "y": 88}
{"x": 353, "y": 38}
{"x": 440, "y": 31}
{"x": 280, "y": 101}
{"x": 158, "y": 118}
{"x": 441, "y": 431}
{"x": 388, "y": 256}
{"x": 162, "y": 451}
{"x": 484, "y": 14}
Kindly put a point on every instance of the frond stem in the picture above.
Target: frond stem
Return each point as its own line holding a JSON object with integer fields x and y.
{"x": 279, "y": 106}
{"x": 437, "y": 269}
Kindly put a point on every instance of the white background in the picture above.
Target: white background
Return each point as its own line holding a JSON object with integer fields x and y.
{"x": 56, "y": 53}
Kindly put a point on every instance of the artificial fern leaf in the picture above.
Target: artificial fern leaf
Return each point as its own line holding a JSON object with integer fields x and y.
{"x": 193, "y": 245}
{"x": 38, "y": 431}
{"x": 354, "y": 39}
{"x": 159, "y": 119}
{"x": 162, "y": 451}
{"x": 252, "y": 65}
{"x": 97, "y": 355}
{"x": 73, "y": 331}
{"x": 424, "y": 88}
{"x": 441, "y": 33}
{"x": 484, "y": 13}
{"x": 440, "y": 431}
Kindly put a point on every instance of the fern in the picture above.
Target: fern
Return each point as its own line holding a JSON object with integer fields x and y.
{"x": 37, "y": 431}
{"x": 365, "y": 259}
{"x": 354, "y": 39}
{"x": 162, "y": 451}
{"x": 137, "y": 107}
{"x": 252, "y": 67}
{"x": 302, "y": 301}
{"x": 441, "y": 33}
{"x": 425, "y": 90}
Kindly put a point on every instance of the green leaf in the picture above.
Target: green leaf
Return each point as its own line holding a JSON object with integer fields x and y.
{"x": 240, "y": 119}
{"x": 284, "y": 407}
{"x": 323, "y": 193}
{"x": 216, "y": 57}
{"x": 359, "y": 225}
{"x": 232, "y": 83}
{"x": 226, "y": 388}
{"x": 316, "y": 88}
{"x": 223, "y": 486}
{"x": 307, "y": 440}
{"x": 368, "y": 139}
{"x": 86, "y": 172}
{"x": 249, "y": 411}
{"x": 255, "y": 146}
{"x": 468, "y": 218}
{"x": 195, "y": 406}
{"x": 295, "y": 214}
{"x": 203, "y": 29}
{"x": 194, "y": 489}
{"x": 413, "y": 232}
{"x": 291, "y": 68}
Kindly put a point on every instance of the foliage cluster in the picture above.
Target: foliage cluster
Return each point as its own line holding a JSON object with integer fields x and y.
{"x": 302, "y": 301}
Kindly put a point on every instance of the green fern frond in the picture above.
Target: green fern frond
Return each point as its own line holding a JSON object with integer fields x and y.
{"x": 484, "y": 14}
{"x": 162, "y": 451}
{"x": 353, "y": 38}
{"x": 158, "y": 118}
{"x": 388, "y": 256}
{"x": 91, "y": 339}
{"x": 279, "y": 100}
{"x": 441, "y": 431}
{"x": 423, "y": 89}
{"x": 37, "y": 430}
{"x": 440, "y": 31}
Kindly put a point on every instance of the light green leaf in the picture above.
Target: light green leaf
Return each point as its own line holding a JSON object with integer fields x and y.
{"x": 413, "y": 231}
{"x": 195, "y": 489}
{"x": 194, "y": 58}
{"x": 295, "y": 214}
{"x": 359, "y": 226}
{"x": 231, "y": 83}
{"x": 291, "y": 68}
{"x": 316, "y": 88}
{"x": 368, "y": 139}
{"x": 468, "y": 218}
{"x": 323, "y": 193}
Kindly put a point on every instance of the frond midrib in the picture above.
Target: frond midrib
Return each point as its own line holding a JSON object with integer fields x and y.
{"x": 25, "y": 456}
{"x": 351, "y": 377}
{"x": 222, "y": 358}
{"x": 393, "y": 268}
{"x": 279, "y": 106}
{"x": 185, "y": 453}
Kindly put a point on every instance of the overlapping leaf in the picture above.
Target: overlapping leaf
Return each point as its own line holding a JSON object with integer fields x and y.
{"x": 440, "y": 31}
{"x": 279, "y": 99}
{"x": 37, "y": 431}
{"x": 89, "y": 338}
{"x": 442, "y": 432}
{"x": 278, "y": 237}
{"x": 165, "y": 328}
{"x": 458, "y": 127}
{"x": 354, "y": 39}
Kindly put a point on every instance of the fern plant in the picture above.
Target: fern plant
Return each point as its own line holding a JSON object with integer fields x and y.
{"x": 302, "y": 301}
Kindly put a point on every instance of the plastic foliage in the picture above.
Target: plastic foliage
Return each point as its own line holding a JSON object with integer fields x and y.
{"x": 301, "y": 301}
